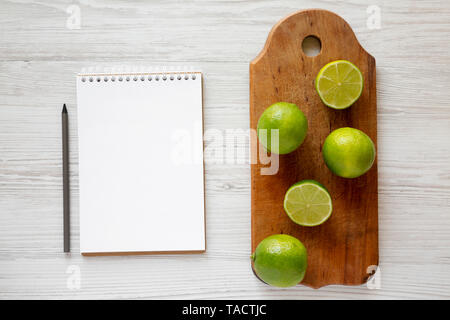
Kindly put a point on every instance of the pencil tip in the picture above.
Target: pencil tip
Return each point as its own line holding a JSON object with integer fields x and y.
{"x": 64, "y": 110}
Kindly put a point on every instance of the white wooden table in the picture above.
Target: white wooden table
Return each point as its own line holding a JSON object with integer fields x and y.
{"x": 41, "y": 51}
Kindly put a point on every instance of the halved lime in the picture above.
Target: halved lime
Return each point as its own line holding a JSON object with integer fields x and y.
{"x": 339, "y": 84}
{"x": 308, "y": 203}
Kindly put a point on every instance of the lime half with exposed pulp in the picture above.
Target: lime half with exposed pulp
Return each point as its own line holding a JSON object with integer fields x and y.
{"x": 339, "y": 84}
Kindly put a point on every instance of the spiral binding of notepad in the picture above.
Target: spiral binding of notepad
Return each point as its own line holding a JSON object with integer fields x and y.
{"x": 137, "y": 73}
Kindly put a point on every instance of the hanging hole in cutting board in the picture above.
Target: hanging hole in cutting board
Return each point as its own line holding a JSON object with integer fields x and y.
{"x": 311, "y": 46}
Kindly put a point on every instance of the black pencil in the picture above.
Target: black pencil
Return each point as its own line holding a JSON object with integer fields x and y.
{"x": 65, "y": 158}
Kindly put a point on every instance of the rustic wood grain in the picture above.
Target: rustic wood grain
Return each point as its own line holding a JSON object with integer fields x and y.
{"x": 220, "y": 37}
{"x": 341, "y": 250}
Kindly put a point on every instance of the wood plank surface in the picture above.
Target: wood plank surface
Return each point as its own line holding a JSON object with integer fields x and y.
{"x": 39, "y": 57}
{"x": 345, "y": 247}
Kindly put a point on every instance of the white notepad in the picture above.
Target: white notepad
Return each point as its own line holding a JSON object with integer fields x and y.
{"x": 141, "y": 163}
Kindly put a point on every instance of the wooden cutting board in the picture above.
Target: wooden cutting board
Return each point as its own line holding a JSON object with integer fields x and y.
{"x": 343, "y": 250}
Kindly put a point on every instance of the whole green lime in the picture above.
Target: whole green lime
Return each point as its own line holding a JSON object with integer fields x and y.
{"x": 348, "y": 152}
{"x": 280, "y": 260}
{"x": 291, "y": 126}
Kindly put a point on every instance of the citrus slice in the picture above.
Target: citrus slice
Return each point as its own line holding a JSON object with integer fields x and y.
{"x": 339, "y": 84}
{"x": 308, "y": 203}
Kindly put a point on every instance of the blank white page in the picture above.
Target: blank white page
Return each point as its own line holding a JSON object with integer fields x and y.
{"x": 141, "y": 163}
